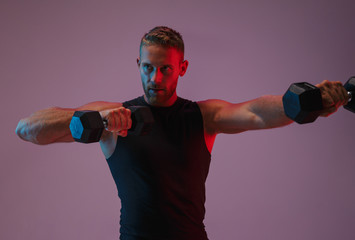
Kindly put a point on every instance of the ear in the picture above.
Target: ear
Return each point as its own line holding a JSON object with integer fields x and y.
{"x": 138, "y": 61}
{"x": 183, "y": 68}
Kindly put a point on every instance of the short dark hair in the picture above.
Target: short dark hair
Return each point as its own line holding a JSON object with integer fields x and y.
{"x": 163, "y": 36}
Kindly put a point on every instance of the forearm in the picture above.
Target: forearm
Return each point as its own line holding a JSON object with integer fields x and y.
{"x": 46, "y": 126}
{"x": 52, "y": 124}
{"x": 269, "y": 112}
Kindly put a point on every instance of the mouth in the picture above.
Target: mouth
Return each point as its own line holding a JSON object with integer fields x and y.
{"x": 156, "y": 89}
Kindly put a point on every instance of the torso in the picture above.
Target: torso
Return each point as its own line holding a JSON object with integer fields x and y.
{"x": 161, "y": 177}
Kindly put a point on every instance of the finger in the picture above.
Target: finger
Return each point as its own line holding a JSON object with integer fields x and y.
{"x": 342, "y": 96}
{"x": 113, "y": 121}
{"x": 324, "y": 84}
{"x": 129, "y": 119}
{"x": 336, "y": 95}
{"x": 110, "y": 120}
{"x": 120, "y": 115}
{"x": 122, "y": 133}
{"x": 327, "y": 99}
{"x": 124, "y": 117}
{"x": 327, "y": 94}
{"x": 118, "y": 120}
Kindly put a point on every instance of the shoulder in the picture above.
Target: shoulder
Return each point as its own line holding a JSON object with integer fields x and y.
{"x": 211, "y": 106}
{"x": 213, "y": 111}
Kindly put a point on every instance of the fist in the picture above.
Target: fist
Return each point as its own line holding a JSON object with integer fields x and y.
{"x": 334, "y": 95}
{"x": 118, "y": 120}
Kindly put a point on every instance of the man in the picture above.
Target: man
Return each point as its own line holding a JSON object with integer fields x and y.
{"x": 161, "y": 177}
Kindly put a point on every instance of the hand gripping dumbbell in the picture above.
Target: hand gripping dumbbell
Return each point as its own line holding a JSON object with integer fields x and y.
{"x": 303, "y": 101}
{"x": 87, "y": 126}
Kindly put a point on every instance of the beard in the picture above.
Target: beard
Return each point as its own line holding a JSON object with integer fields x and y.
{"x": 158, "y": 96}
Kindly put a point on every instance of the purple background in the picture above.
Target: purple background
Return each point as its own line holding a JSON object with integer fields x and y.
{"x": 293, "y": 183}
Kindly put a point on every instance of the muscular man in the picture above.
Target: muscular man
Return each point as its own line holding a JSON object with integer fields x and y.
{"x": 161, "y": 177}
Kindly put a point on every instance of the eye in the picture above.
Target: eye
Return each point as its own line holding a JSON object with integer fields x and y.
{"x": 166, "y": 69}
{"x": 147, "y": 68}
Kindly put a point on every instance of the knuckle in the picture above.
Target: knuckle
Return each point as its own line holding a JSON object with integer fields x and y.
{"x": 325, "y": 82}
{"x": 122, "y": 133}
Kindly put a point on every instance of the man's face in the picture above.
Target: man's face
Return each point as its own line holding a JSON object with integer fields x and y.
{"x": 160, "y": 69}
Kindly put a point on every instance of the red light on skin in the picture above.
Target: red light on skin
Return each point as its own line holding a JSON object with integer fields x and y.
{"x": 209, "y": 140}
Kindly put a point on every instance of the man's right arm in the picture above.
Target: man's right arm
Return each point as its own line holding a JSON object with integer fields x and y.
{"x": 51, "y": 125}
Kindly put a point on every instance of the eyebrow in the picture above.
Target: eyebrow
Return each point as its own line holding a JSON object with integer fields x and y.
{"x": 164, "y": 65}
{"x": 168, "y": 65}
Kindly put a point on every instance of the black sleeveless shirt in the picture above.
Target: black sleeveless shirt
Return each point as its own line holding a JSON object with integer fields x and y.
{"x": 161, "y": 177}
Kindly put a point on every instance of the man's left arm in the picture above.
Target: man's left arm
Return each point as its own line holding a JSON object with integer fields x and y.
{"x": 264, "y": 112}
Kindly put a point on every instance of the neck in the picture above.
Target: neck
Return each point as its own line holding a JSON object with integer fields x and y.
{"x": 166, "y": 103}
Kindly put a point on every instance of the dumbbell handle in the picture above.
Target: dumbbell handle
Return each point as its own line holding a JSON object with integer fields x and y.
{"x": 350, "y": 96}
{"x": 105, "y": 122}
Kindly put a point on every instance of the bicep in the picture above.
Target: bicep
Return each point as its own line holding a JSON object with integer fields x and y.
{"x": 224, "y": 117}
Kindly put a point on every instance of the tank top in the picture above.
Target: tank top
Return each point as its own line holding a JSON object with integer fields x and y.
{"x": 160, "y": 177}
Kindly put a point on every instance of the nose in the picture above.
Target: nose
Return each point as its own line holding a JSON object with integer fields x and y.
{"x": 157, "y": 76}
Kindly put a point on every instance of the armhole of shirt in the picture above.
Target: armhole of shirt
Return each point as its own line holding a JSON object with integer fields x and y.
{"x": 203, "y": 130}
